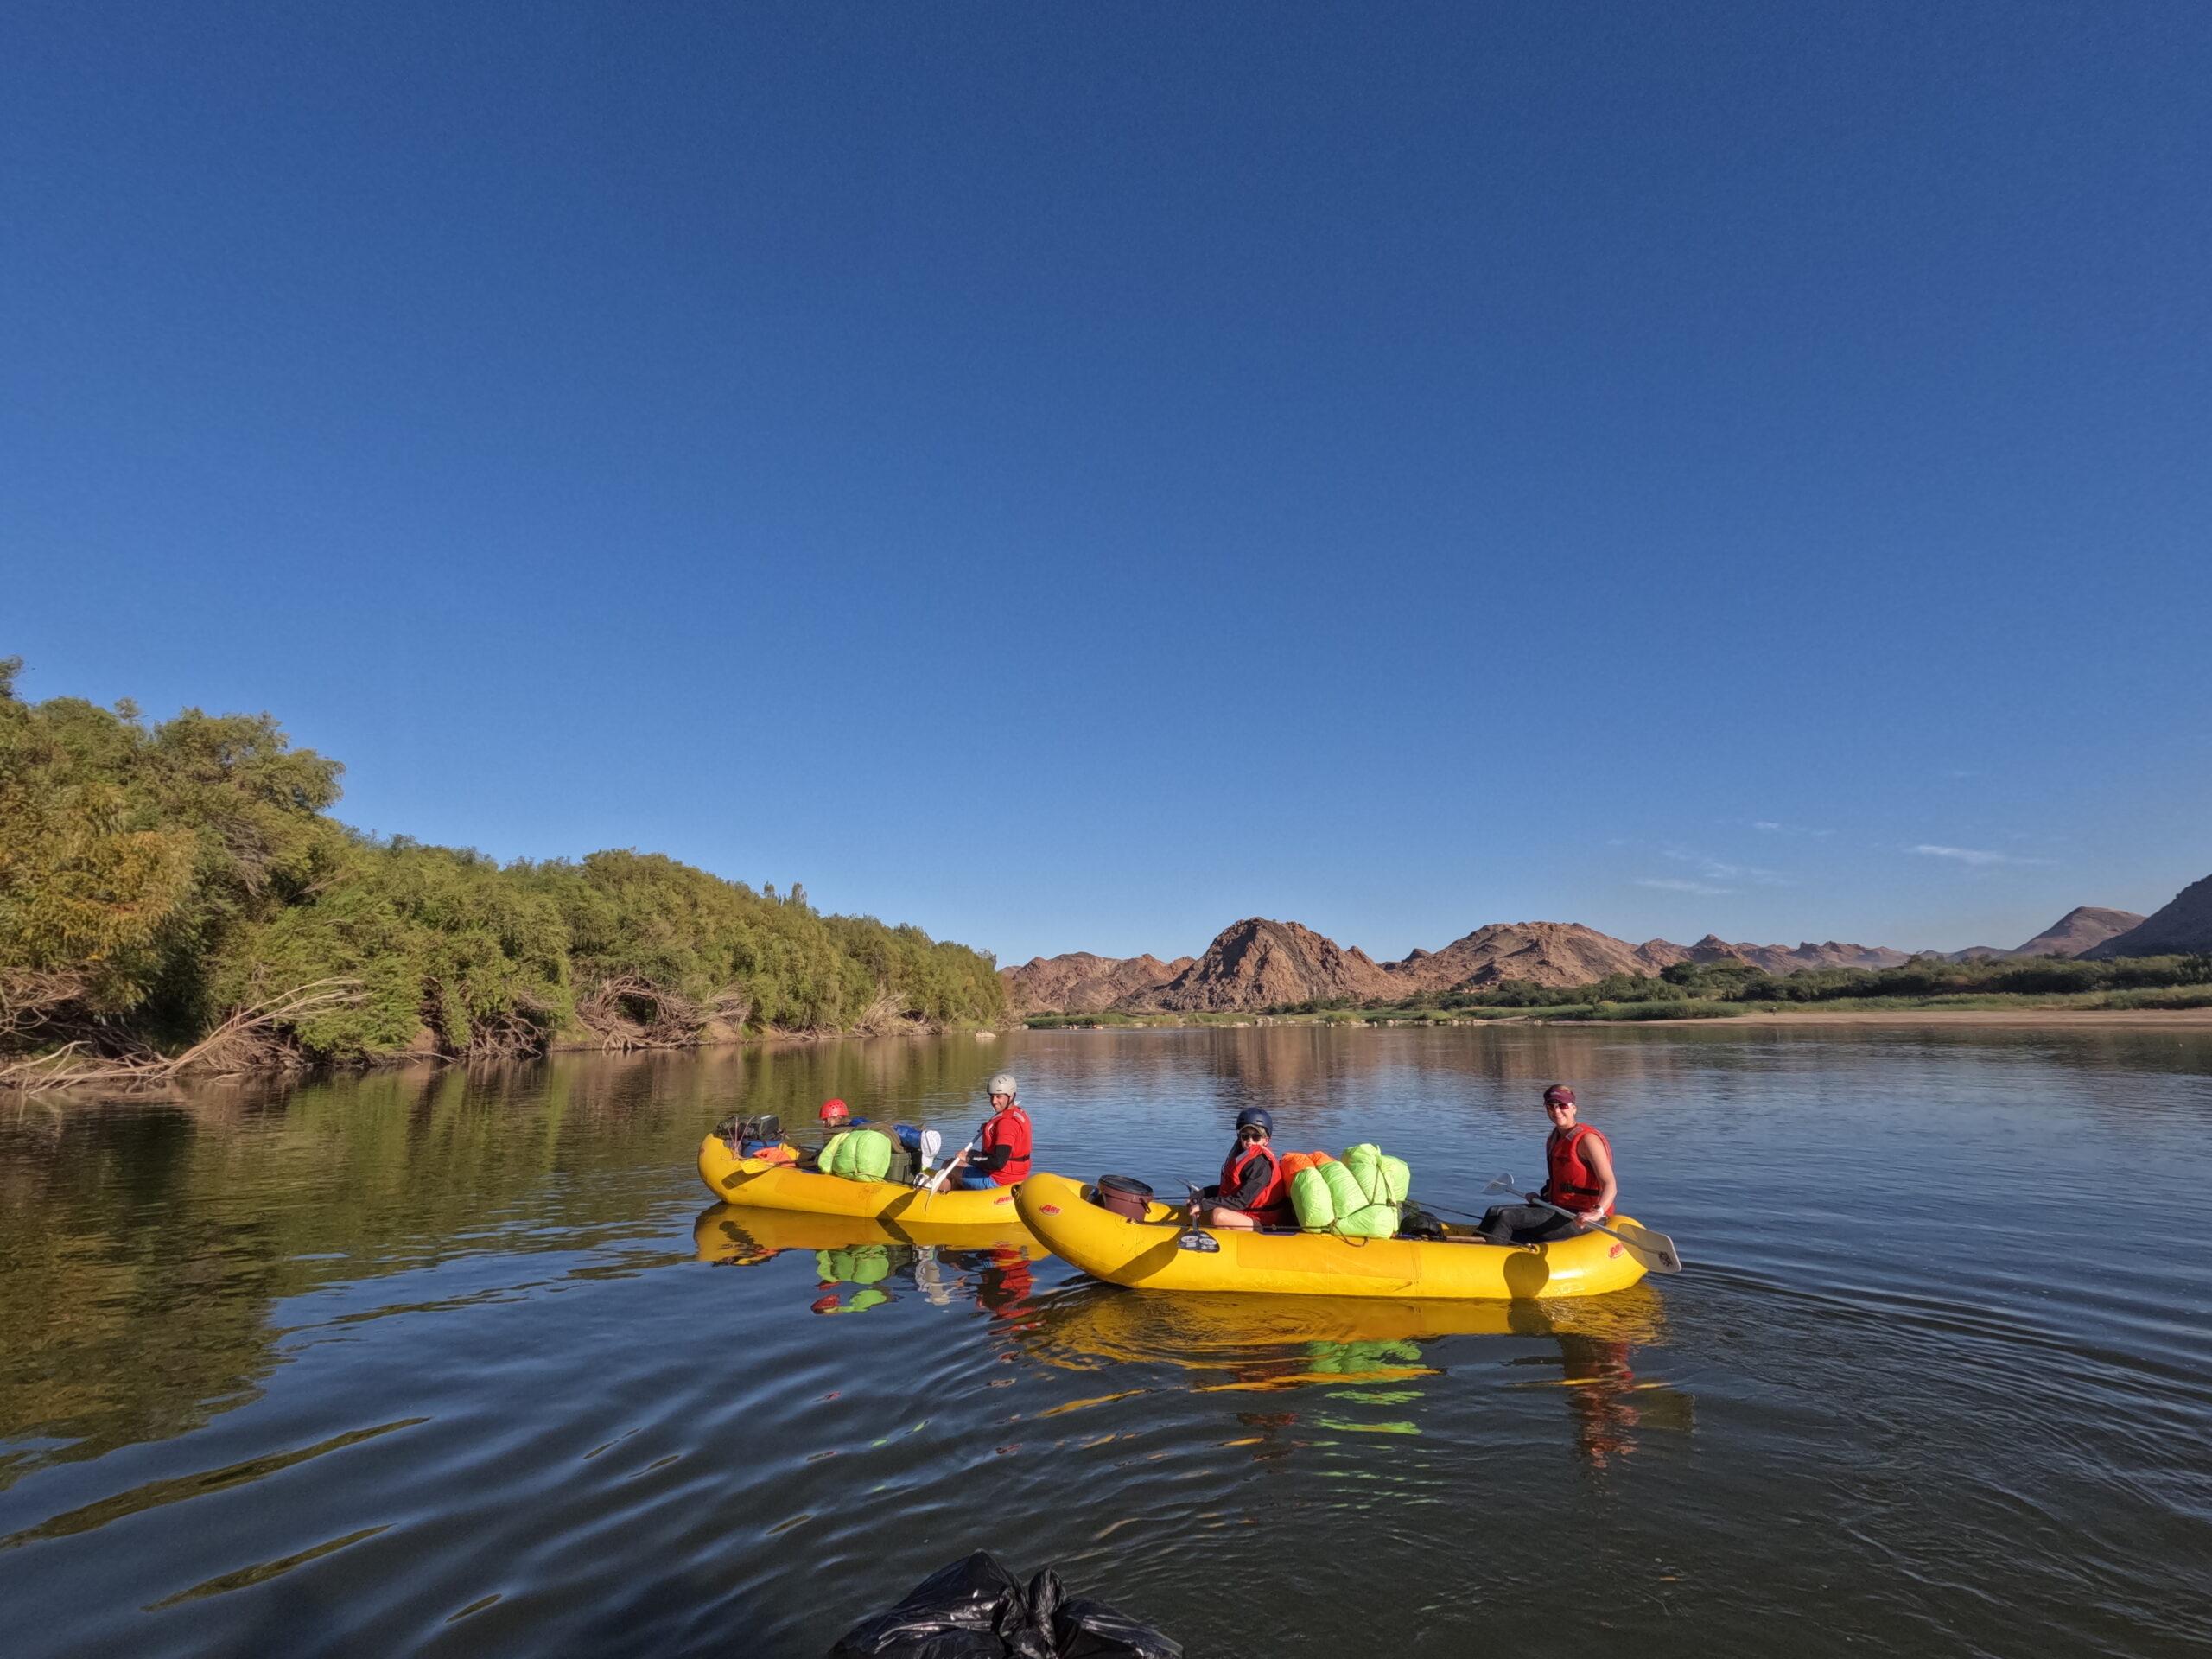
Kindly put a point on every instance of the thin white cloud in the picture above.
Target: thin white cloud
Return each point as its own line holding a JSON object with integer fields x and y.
{"x": 1771, "y": 827}
{"x": 1764, "y": 824}
{"x": 1715, "y": 869}
{"x": 1977, "y": 857}
{"x": 1669, "y": 884}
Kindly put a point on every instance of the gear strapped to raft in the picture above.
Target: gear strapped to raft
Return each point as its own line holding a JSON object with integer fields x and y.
{"x": 741, "y": 1132}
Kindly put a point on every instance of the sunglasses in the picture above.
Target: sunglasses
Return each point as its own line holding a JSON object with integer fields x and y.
{"x": 1248, "y": 1133}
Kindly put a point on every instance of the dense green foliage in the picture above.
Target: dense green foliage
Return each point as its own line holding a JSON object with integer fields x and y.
{"x": 154, "y": 878}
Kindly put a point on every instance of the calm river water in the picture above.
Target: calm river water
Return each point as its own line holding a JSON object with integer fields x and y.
{"x": 451, "y": 1363}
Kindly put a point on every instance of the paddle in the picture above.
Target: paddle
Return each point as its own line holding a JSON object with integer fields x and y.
{"x": 1655, "y": 1250}
{"x": 937, "y": 1183}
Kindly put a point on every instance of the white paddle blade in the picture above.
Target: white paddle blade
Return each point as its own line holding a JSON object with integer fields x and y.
{"x": 1655, "y": 1250}
{"x": 1504, "y": 1184}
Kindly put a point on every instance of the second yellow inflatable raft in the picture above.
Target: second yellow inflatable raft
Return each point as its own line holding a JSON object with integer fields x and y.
{"x": 1147, "y": 1254}
{"x": 784, "y": 1186}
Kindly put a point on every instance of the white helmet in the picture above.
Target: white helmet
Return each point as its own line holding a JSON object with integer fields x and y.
{"x": 1001, "y": 1085}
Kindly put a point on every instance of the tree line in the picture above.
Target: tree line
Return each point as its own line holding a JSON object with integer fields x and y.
{"x": 167, "y": 886}
{"x": 1738, "y": 982}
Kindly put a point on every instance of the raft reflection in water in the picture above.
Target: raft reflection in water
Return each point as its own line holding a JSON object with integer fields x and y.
{"x": 862, "y": 1263}
{"x": 1370, "y": 1353}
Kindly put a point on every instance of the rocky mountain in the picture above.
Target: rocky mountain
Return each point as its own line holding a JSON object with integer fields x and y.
{"x": 2182, "y": 927}
{"x": 2078, "y": 930}
{"x": 1079, "y": 983}
{"x": 1256, "y": 963}
{"x": 1547, "y": 953}
{"x": 1793, "y": 959}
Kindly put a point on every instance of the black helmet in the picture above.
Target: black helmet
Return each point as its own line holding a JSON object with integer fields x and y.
{"x": 1256, "y": 1117}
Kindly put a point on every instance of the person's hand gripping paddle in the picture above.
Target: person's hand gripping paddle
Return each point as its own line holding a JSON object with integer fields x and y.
{"x": 937, "y": 1182}
{"x": 1191, "y": 1237}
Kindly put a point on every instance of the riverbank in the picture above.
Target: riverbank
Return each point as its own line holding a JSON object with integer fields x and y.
{"x": 2097, "y": 1009}
{"x": 2014, "y": 1019}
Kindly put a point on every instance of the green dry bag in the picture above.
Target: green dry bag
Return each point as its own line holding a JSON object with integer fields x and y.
{"x": 1382, "y": 1178}
{"x": 1309, "y": 1197}
{"x": 858, "y": 1155}
{"x": 1345, "y": 1196}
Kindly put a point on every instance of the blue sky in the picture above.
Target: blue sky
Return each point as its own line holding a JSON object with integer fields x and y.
{"x": 1071, "y": 476}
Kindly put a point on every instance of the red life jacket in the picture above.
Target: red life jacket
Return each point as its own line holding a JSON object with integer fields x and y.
{"x": 1274, "y": 1202}
{"x": 1573, "y": 1184}
{"x": 1010, "y": 1129}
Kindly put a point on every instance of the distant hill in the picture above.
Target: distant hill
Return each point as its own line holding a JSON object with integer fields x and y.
{"x": 1256, "y": 963}
{"x": 1793, "y": 959}
{"x": 1259, "y": 964}
{"x": 1079, "y": 983}
{"x": 1546, "y": 953}
{"x": 2184, "y": 927}
{"x": 2079, "y": 929}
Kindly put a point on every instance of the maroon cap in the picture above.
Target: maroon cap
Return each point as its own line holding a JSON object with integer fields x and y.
{"x": 1559, "y": 1095}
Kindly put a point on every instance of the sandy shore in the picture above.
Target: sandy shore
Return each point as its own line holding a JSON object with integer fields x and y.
{"x": 2029, "y": 1019}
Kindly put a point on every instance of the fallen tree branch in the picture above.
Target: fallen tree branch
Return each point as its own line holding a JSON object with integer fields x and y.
{"x": 246, "y": 1040}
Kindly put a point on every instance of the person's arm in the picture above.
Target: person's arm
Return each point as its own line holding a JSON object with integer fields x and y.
{"x": 992, "y": 1161}
{"x": 1249, "y": 1186}
{"x": 1601, "y": 1166}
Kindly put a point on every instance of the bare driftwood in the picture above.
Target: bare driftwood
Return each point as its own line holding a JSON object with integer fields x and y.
{"x": 29, "y": 998}
{"x": 248, "y": 1039}
{"x": 884, "y": 1013}
{"x": 627, "y": 1011}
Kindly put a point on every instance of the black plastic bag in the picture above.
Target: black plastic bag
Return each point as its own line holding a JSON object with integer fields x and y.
{"x": 976, "y": 1609}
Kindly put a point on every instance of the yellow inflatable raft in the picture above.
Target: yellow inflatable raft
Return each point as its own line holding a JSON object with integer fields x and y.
{"x": 784, "y": 1186}
{"x": 1146, "y": 1254}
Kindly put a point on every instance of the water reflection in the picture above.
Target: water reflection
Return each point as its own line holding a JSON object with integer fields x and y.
{"x": 862, "y": 1263}
{"x": 318, "y": 1369}
{"x": 1372, "y": 1360}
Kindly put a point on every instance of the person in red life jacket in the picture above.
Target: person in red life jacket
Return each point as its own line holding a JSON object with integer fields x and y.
{"x": 1000, "y": 1154}
{"x": 1580, "y": 1178}
{"x": 1253, "y": 1191}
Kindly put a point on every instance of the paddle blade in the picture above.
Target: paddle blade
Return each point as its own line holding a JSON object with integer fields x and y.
{"x": 1655, "y": 1250}
{"x": 1504, "y": 1184}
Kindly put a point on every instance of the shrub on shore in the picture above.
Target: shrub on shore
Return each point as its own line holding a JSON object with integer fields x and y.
{"x": 158, "y": 880}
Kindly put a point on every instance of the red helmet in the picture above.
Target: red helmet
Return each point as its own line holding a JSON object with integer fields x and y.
{"x": 833, "y": 1109}
{"x": 1559, "y": 1095}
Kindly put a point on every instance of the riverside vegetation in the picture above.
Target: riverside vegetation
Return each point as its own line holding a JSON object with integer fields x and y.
{"x": 177, "y": 898}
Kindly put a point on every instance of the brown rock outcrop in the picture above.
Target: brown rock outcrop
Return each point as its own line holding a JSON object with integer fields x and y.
{"x": 1256, "y": 963}
{"x": 1796, "y": 959}
{"x": 2079, "y": 929}
{"x": 1545, "y": 953}
{"x": 1079, "y": 983}
{"x": 2182, "y": 928}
